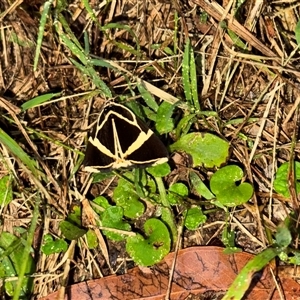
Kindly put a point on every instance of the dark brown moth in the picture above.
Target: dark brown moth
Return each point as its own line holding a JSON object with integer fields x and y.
{"x": 120, "y": 139}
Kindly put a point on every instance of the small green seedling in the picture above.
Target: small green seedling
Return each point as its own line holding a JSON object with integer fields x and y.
{"x": 51, "y": 246}
{"x": 228, "y": 239}
{"x": 194, "y": 218}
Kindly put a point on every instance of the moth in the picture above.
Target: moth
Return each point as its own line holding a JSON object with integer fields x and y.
{"x": 120, "y": 139}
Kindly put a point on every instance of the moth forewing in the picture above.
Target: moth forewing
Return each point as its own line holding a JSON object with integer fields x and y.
{"x": 121, "y": 140}
{"x": 141, "y": 139}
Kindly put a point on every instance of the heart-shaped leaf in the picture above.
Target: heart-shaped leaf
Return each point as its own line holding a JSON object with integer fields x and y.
{"x": 228, "y": 193}
{"x": 51, "y": 246}
{"x": 152, "y": 249}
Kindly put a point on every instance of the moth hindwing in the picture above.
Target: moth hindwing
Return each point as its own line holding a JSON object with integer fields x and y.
{"x": 121, "y": 140}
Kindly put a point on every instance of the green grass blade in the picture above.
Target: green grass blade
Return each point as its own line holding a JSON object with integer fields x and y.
{"x": 73, "y": 47}
{"x": 41, "y": 32}
{"x": 27, "y": 248}
{"x": 91, "y": 12}
{"x": 100, "y": 84}
{"x": 130, "y": 31}
{"x": 186, "y": 72}
{"x": 244, "y": 278}
{"x": 101, "y": 63}
{"x": 91, "y": 73}
{"x": 18, "y": 152}
{"x": 86, "y": 43}
{"x": 193, "y": 78}
{"x": 68, "y": 31}
{"x": 39, "y": 100}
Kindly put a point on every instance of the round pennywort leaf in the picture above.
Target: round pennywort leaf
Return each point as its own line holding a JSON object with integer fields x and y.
{"x": 152, "y": 249}
{"x": 228, "y": 193}
{"x": 206, "y": 149}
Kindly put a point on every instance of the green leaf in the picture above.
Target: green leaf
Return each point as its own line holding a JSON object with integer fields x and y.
{"x": 184, "y": 125}
{"x": 223, "y": 185}
{"x": 148, "y": 98}
{"x": 17, "y": 151}
{"x": 164, "y": 121}
{"x": 205, "y": 149}
{"x": 12, "y": 259}
{"x": 294, "y": 257}
{"x": 186, "y": 72}
{"x": 75, "y": 215}
{"x": 99, "y": 204}
{"x": 101, "y": 63}
{"x": 7, "y": 270}
{"x": 283, "y": 235}
{"x": 297, "y": 33}
{"x": 6, "y": 194}
{"x": 42, "y": 25}
{"x": 51, "y": 246}
{"x": 152, "y": 249}
{"x": 177, "y": 192}
{"x": 194, "y": 218}
{"x": 91, "y": 73}
{"x": 236, "y": 39}
{"x": 281, "y": 185}
{"x": 125, "y": 197}
{"x": 99, "y": 82}
{"x": 189, "y": 76}
{"x": 159, "y": 170}
{"x": 121, "y": 45}
{"x": 112, "y": 217}
{"x": 39, "y": 100}
{"x": 98, "y": 177}
{"x": 71, "y": 228}
{"x": 73, "y": 46}
{"x": 200, "y": 187}
{"x": 92, "y": 240}
{"x": 64, "y": 24}
{"x": 242, "y": 282}
{"x": 194, "y": 81}
{"x": 71, "y": 231}
{"x": 140, "y": 110}
{"x": 91, "y": 12}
